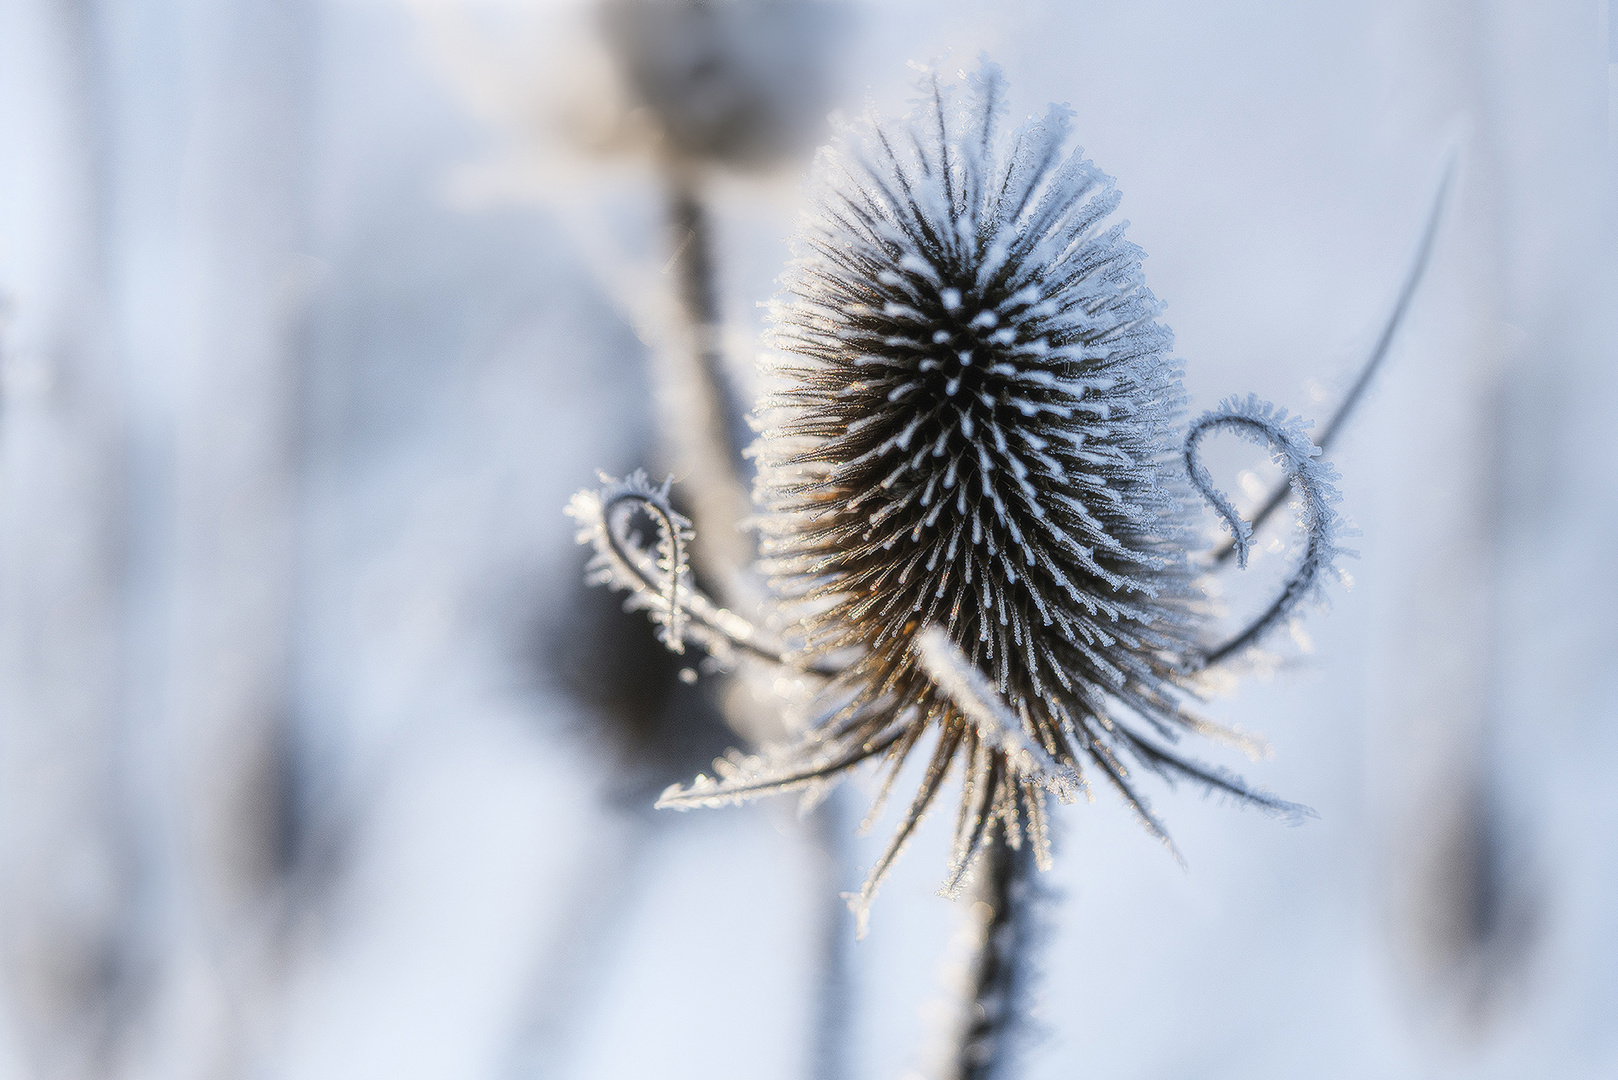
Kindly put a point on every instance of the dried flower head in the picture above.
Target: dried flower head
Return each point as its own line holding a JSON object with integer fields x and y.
{"x": 977, "y": 510}
{"x": 737, "y": 82}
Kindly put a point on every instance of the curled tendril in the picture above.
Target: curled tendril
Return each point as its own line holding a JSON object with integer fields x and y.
{"x": 659, "y": 581}
{"x": 1314, "y": 481}
{"x": 656, "y": 580}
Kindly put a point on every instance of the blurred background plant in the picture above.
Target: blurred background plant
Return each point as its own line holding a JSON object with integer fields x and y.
{"x": 315, "y": 311}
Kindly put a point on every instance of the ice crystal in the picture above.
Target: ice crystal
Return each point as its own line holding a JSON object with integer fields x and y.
{"x": 974, "y": 483}
{"x": 742, "y": 82}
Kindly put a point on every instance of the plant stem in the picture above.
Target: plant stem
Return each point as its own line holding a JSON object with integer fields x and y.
{"x": 699, "y": 298}
{"x": 708, "y": 434}
{"x": 705, "y": 414}
{"x": 996, "y": 998}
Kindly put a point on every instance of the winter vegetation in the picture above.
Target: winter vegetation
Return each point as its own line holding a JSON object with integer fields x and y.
{"x": 972, "y": 505}
{"x": 973, "y": 515}
{"x": 325, "y": 751}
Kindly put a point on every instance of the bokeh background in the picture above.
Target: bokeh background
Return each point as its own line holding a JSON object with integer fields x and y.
{"x": 317, "y": 761}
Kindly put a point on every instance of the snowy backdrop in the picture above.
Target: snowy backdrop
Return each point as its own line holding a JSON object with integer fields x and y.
{"x": 317, "y": 760}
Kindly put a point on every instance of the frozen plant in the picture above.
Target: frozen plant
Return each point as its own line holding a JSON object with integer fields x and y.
{"x": 977, "y": 491}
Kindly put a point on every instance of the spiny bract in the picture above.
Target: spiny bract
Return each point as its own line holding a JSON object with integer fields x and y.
{"x": 972, "y": 503}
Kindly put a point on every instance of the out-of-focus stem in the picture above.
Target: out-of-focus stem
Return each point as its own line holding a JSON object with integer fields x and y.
{"x": 705, "y": 413}
{"x": 706, "y": 428}
{"x": 698, "y": 294}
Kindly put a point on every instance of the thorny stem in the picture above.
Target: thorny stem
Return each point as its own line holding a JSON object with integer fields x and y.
{"x": 1384, "y": 341}
{"x": 996, "y": 998}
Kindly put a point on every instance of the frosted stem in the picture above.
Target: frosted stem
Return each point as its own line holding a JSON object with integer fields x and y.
{"x": 699, "y": 300}
{"x": 998, "y": 976}
{"x": 721, "y": 491}
{"x": 703, "y": 411}
{"x": 658, "y": 576}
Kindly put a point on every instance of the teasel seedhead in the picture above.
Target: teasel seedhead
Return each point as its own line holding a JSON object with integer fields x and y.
{"x": 738, "y": 82}
{"x": 976, "y": 506}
